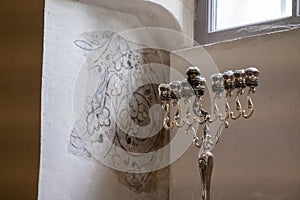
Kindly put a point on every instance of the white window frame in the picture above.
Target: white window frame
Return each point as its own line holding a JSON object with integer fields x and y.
{"x": 203, "y": 21}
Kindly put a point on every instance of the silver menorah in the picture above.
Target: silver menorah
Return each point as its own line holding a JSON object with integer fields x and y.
{"x": 190, "y": 92}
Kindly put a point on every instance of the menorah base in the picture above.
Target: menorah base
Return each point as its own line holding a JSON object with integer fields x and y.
{"x": 205, "y": 166}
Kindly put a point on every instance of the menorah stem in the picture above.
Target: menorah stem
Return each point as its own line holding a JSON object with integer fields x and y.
{"x": 205, "y": 167}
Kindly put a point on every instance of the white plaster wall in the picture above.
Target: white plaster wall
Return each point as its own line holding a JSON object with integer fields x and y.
{"x": 62, "y": 176}
{"x": 172, "y": 14}
{"x": 183, "y": 11}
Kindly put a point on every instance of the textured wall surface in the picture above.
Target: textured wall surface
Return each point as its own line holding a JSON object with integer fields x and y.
{"x": 21, "y": 39}
{"x": 95, "y": 92}
{"x": 256, "y": 159}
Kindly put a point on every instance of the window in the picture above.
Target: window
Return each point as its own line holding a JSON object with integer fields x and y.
{"x": 219, "y": 20}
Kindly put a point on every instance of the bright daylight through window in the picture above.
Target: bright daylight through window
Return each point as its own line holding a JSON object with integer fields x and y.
{"x": 233, "y": 13}
{"x": 221, "y": 20}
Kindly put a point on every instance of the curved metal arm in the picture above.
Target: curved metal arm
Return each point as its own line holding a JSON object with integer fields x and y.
{"x": 227, "y": 111}
{"x": 205, "y": 167}
{"x": 198, "y": 107}
{"x": 178, "y": 121}
{"x": 187, "y": 120}
{"x": 250, "y": 104}
{"x": 216, "y": 113}
{"x": 238, "y": 105}
{"x": 166, "y": 108}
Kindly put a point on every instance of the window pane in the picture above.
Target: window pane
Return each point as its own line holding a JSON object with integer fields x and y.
{"x": 232, "y": 13}
{"x": 298, "y": 8}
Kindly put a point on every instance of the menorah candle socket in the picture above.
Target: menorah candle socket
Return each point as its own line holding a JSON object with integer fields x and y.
{"x": 217, "y": 85}
{"x": 186, "y": 89}
{"x": 228, "y": 80}
{"x": 252, "y": 77}
{"x": 192, "y": 72}
{"x": 175, "y": 90}
{"x": 164, "y": 92}
{"x": 196, "y": 80}
{"x": 239, "y": 78}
